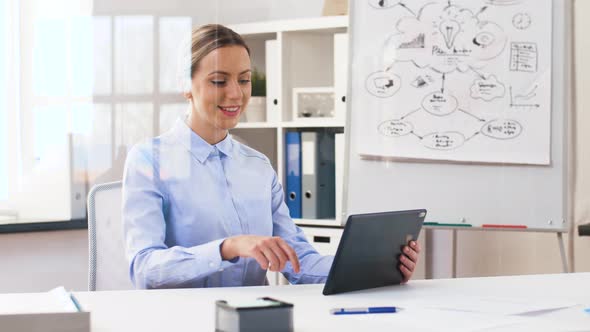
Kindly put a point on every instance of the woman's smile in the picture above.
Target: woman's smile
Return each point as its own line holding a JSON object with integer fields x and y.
{"x": 230, "y": 111}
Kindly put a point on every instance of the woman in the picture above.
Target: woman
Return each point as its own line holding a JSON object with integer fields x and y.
{"x": 201, "y": 209}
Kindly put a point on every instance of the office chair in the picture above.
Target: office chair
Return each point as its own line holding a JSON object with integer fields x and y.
{"x": 108, "y": 268}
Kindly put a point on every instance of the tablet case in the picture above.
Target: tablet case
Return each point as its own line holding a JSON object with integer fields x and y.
{"x": 368, "y": 253}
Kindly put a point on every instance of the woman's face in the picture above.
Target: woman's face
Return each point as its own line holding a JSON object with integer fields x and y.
{"x": 220, "y": 91}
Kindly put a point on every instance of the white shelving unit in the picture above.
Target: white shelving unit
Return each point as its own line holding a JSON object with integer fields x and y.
{"x": 300, "y": 53}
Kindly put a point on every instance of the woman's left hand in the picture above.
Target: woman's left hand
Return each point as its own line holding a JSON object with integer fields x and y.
{"x": 409, "y": 260}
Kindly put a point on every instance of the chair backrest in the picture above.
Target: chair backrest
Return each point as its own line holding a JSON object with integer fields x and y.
{"x": 108, "y": 267}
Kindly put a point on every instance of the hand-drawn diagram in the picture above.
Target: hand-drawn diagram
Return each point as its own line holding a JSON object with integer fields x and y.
{"x": 488, "y": 89}
{"x": 444, "y": 141}
{"x": 465, "y": 65}
{"x": 440, "y": 104}
{"x": 523, "y": 100}
{"x": 383, "y": 84}
{"x": 452, "y": 39}
{"x": 422, "y": 81}
{"x": 522, "y": 21}
{"x": 524, "y": 57}
{"x": 529, "y": 95}
{"x": 502, "y": 129}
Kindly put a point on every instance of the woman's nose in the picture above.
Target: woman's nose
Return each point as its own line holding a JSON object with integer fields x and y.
{"x": 234, "y": 91}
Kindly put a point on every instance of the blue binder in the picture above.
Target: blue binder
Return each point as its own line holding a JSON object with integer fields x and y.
{"x": 293, "y": 156}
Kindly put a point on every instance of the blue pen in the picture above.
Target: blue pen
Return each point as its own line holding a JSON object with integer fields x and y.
{"x": 75, "y": 302}
{"x": 361, "y": 311}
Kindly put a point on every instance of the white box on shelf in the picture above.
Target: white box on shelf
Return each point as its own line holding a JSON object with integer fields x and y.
{"x": 313, "y": 103}
{"x": 255, "y": 111}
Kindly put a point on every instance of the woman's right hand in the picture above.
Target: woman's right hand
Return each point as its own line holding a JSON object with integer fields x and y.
{"x": 270, "y": 252}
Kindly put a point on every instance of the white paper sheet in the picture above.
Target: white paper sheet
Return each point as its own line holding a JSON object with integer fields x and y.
{"x": 467, "y": 80}
{"x": 497, "y": 306}
{"x": 56, "y": 300}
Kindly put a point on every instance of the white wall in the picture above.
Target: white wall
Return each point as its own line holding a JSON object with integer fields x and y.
{"x": 39, "y": 261}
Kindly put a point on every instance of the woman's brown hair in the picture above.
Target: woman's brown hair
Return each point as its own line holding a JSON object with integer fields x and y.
{"x": 209, "y": 37}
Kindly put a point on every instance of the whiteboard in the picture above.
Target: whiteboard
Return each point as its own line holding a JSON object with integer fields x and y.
{"x": 462, "y": 108}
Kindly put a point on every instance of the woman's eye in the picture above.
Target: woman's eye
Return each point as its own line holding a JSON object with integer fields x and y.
{"x": 218, "y": 82}
{"x": 244, "y": 81}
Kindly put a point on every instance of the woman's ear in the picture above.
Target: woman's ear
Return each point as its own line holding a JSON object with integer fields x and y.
{"x": 188, "y": 95}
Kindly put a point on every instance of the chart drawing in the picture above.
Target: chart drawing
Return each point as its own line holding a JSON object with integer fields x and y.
{"x": 460, "y": 80}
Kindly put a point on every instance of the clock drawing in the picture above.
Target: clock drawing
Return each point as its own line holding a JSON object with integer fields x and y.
{"x": 521, "y": 21}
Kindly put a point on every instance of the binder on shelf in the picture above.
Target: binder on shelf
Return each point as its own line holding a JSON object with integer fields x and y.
{"x": 318, "y": 175}
{"x": 293, "y": 156}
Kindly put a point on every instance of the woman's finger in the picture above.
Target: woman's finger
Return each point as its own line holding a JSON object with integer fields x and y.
{"x": 260, "y": 258}
{"x": 291, "y": 254}
{"x": 411, "y": 254}
{"x": 272, "y": 259}
{"x": 407, "y": 262}
{"x": 280, "y": 254}
{"x": 406, "y": 273}
{"x": 416, "y": 246}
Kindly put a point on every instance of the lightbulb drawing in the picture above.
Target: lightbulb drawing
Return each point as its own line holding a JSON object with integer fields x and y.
{"x": 450, "y": 29}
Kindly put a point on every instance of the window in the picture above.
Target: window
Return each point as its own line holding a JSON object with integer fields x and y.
{"x": 93, "y": 86}
{"x": 87, "y": 89}
{"x": 4, "y": 40}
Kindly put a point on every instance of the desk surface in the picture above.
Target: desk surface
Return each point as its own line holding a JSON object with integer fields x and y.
{"x": 193, "y": 309}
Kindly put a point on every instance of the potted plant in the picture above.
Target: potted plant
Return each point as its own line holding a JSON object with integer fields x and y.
{"x": 256, "y": 110}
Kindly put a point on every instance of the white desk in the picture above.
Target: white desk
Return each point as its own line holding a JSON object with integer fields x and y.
{"x": 193, "y": 309}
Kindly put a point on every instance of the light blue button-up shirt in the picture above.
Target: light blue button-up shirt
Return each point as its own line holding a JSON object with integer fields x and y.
{"x": 182, "y": 197}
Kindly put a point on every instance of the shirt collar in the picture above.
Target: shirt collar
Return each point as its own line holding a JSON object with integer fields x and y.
{"x": 197, "y": 146}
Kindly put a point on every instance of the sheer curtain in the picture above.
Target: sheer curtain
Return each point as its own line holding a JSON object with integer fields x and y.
{"x": 3, "y": 108}
{"x": 9, "y": 105}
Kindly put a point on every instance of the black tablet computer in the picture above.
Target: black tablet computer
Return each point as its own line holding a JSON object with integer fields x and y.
{"x": 369, "y": 250}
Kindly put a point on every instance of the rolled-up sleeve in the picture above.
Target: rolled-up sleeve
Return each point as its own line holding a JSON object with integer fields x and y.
{"x": 152, "y": 264}
{"x": 314, "y": 267}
